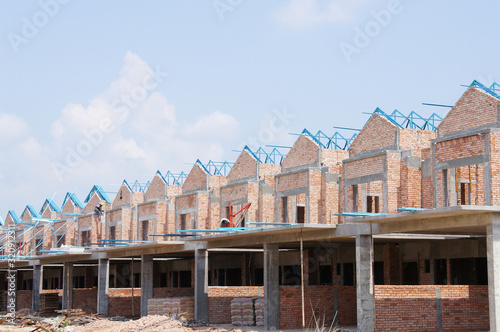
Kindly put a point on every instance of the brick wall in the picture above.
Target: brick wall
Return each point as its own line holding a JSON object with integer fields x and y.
{"x": 365, "y": 166}
{"x": 494, "y": 167}
{"x": 120, "y": 302}
{"x": 196, "y": 179}
{"x": 413, "y": 308}
{"x": 234, "y": 192}
{"x": 473, "y": 109}
{"x": 303, "y": 152}
{"x": 292, "y": 181}
{"x": 23, "y": 299}
{"x": 415, "y": 140}
{"x": 219, "y": 301}
{"x": 162, "y": 292}
{"x": 244, "y": 167}
{"x": 333, "y": 159}
{"x": 85, "y": 299}
{"x": 460, "y": 148}
{"x": 268, "y": 171}
{"x": 377, "y": 133}
{"x": 319, "y": 298}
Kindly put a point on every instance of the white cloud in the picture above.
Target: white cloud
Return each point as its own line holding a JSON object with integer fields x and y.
{"x": 214, "y": 125}
{"x": 12, "y": 128}
{"x": 128, "y": 131}
{"x": 308, "y": 13}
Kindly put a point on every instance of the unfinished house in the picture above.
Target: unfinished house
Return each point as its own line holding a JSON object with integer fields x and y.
{"x": 250, "y": 181}
{"x": 157, "y": 213}
{"x": 307, "y": 187}
{"x": 64, "y": 229}
{"x": 43, "y": 230}
{"x": 466, "y": 152}
{"x": 383, "y": 171}
{"x": 121, "y": 219}
{"x": 397, "y": 228}
{"x": 91, "y": 223}
{"x": 28, "y": 221}
{"x": 12, "y": 221}
{"x": 198, "y": 205}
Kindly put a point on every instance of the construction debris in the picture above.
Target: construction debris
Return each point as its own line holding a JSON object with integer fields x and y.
{"x": 78, "y": 321}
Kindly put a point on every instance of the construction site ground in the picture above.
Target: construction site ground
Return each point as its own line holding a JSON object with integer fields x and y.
{"x": 78, "y": 321}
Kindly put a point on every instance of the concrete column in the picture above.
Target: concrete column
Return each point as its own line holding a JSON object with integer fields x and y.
{"x": 201, "y": 285}
{"x": 493, "y": 248}
{"x": 67, "y": 298}
{"x": 37, "y": 286}
{"x": 364, "y": 283}
{"x": 103, "y": 287}
{"x": 271, "y": 287}
{"x": 146, "y": 282}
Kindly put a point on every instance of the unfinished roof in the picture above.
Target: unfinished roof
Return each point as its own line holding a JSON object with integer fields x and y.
{"x": 335, "y": 142}
{"x": 72, "y": 197}
{"x": 173, "y": 178}
{"x": 51, "y": 204}
{"x": 274, "y": 157}
{"x": 381, "y": 130}
{"x": 31, "y": 210}
{"x": 100, "y": 192}
{"x": 477, "y": 106}
{"x": 13, "y": 216}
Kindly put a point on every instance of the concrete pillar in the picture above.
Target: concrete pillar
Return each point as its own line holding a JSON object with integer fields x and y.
{"x": 271, "y": 287}
{"x": 67, "y": 298}
{"x": 103, "y": 287}
{"x": 493, "y": 248}
{"x": 364, "y": 283}
{"x": 37, "y": 286}
{"x": 146, "y": 282}
{"x": 201, "y": 285}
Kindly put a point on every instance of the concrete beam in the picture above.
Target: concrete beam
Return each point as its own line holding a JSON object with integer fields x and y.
{"x": 271, "y": 287}
{"x": 365, "y": 179}
{"x": 37, "y": 286}
{"x": 103, "y": 287}
{"x": 439, "y": 223}
{"x": 67, "y": 297}
{"x": 493, "y": 248}
{"x": 146, "y": 282}
{"x": 201, "y": 285}
{"x": 364, "y": 283}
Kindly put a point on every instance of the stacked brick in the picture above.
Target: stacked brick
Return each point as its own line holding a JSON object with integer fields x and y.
{"x": 244, "y": 312}
{"x": 183, "y": 306}
{"x": 259, "y": 311}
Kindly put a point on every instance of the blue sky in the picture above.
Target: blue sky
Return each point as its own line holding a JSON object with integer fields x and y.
{"x": 94, "y": 92}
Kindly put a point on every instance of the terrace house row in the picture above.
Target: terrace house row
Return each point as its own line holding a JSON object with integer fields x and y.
{"x": 423, "y": 188}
